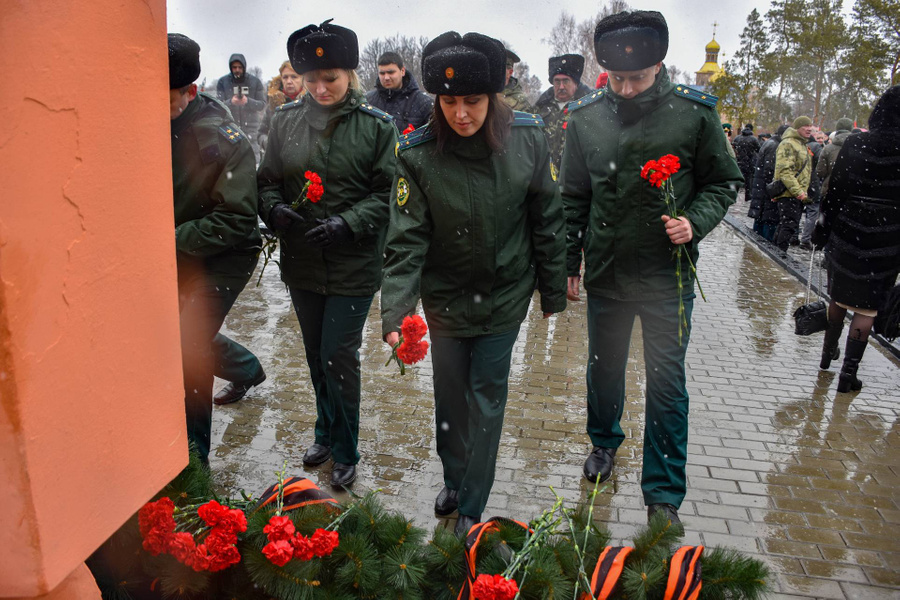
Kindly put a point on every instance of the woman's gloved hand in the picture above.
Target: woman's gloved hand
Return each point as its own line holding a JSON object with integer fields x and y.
{"x": 333, "y": 230}
{"x": 281, "y": 217}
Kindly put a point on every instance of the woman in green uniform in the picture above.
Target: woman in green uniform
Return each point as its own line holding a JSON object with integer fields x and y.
{"x": 476, "y": 222}
{"x": 331, "y": 249}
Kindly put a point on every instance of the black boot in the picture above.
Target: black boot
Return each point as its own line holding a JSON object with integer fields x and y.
{"x": 853, "y": 353}
{"x": 830, "y": 350}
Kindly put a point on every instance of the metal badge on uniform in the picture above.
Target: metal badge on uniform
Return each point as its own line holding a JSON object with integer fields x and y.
{"x": 231, "y": 133}
{"x": 402, "y": 191}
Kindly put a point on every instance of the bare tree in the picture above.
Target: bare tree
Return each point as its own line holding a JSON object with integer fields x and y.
{"x": 570, "y": 36}
{"x": 532, "y": 85}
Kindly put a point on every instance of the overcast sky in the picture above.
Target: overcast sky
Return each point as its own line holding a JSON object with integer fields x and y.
{"x": 259, "y": 28}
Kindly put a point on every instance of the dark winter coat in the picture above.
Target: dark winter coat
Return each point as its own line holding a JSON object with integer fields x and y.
{"x": 515, "y": 97}
{"x": 472, "y": 232}
{"x": 613, "y": 214}
{"x": 828, "y": 156}
{"x": 250, "y": 115}
{"x": 214, "y": 179}
{"x": 554, "y": 117}
{"x": 409, "y": 105}
{"x": 746, "y": 148}
{"x": 761, "y": 206}
{"x": 860, "y": 215}
{"x": 352, "y": 149}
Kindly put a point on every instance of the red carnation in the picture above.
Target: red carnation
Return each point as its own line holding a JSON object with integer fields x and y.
{"x": 279, "y": 529}
{"x": 157, "y": 515}
{"x": 659, "y": 171}
{"x": 409, "y": 129}
{"x": 303, "y": 547}
{"x": 412, "y": 352}
{"x": 278, "y": 553}
{"x": 494, "y": 587}
{"x": 181, "y": 546}
{"x": 212, "y": 513}
{"x": 199, "y": 559}
{"x": 224, "y": 558}
{"x": 315, "y": 192}
{"x": 324, "y": 542}
{"x": 233, "y": 521}
{"x": 413, "y": 328}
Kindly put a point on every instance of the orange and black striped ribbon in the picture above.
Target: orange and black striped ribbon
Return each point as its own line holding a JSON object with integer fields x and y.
{"x": 607, "y": 572}
{"x": 298, "y": 491}
{"x": 684, "y": 574}
{"x": 472, "y": 540}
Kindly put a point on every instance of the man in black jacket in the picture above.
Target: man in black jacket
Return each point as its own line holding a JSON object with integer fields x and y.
{"x": 397, "y": 93}
{"x": 245, "y": 96}
{"x": 763, "y": 211}
{"x": 746, "y": 147}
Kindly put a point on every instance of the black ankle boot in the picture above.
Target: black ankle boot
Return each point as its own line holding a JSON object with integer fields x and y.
{"x": 852, "y": 355}
{"x": 830, "y": 350}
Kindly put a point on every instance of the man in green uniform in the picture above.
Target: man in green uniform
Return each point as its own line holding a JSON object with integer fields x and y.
{"x": 565, "y": 77}
{"x": 620, "y": 222}
{"x": 513, "y": 94}
{"x": 216, "y": 235}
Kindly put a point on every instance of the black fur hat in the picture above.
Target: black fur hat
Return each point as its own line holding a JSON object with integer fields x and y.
{"x": 631, "y": 41}
{"x": 324, "y": 46}
{"x": 184, "y": 61}
{"x": 455, "y": 65}
{"x": 567, "y": 64}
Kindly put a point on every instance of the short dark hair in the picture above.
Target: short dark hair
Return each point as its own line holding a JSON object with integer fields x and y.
{"x": 390, "y": 58}
{"x": 497, "y": 124}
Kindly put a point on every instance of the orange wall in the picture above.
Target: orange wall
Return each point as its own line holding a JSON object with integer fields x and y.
{"x": 91, "y": 405}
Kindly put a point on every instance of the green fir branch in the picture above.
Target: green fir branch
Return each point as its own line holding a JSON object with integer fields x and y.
{"x": 729, "y": 574}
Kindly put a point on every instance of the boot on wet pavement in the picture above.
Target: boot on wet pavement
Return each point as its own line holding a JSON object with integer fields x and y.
{"x": 830, "y": 350}
{"x": 599, "y": 464}
{"x": 464, "y": 523}
{"x": 446, "y": 502}
{"x": 853, "y": 353}
{"x": 670, "y": 512}
{"x": 342, "y": 475}
{"x": 316, "y": 455}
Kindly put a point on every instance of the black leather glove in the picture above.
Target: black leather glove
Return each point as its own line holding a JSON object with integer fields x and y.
{"x": 821, "y": 233}
{"x": 333, "y": 230}
{"x": 281, "y": 217}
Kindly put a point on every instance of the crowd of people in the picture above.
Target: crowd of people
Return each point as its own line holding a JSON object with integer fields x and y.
{"x": 466, "y": 205}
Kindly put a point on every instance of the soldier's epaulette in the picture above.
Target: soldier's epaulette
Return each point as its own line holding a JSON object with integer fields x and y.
{"x": 231, "y": 133}
{"x": 524, "y": 119}
{"x": 414, "y": 138}
{"x": 375, "y": 112}
{"x": 583, "y": 101}
{"x": 289, "y": 105}
{"x": 686, "y": 91}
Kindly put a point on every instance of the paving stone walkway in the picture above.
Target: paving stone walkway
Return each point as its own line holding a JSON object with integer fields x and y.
{"x": 780, "y": 465}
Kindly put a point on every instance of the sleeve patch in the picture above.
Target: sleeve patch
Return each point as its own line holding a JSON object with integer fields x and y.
{"x": 231, "y": 133}
{"x": 402, "y": 191}
{"x": 686, "y": 91}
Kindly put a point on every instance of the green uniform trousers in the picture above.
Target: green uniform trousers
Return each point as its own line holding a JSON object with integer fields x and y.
{"x": 666, "y": 409}
{"x": 332, "y": 329}
{"x": 234, "y": 362}
{"x": 203, "y": 309}
{"x": 471, "y": 381}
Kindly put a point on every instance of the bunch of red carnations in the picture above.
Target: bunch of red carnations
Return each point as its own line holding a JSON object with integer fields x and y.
{"x": 203, "y": 537}
{"x": 411, "y": 348}
{"x": 286, "y": 544}
{"x": 312, "y": 190}
{"x": 494, "y": 587}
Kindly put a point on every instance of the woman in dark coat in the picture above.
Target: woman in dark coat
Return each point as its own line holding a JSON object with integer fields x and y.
{"x": 860, "y": 221}
{"x": 331, "y": 246}
{"x": 763, "y": 210}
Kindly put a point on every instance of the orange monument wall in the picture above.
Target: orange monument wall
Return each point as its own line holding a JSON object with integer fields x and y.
{"x": 91, "y": 405}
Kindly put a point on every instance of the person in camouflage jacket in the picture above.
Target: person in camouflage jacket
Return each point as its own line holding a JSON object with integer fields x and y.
{"x": 565, "y": 77}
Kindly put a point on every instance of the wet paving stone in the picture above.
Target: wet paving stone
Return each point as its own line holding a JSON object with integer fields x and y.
{"x": 780, "y": 465}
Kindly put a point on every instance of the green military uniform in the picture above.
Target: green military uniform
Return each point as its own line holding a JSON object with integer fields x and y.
{"x": 473, "y": 231}
{"x": 351, "y": 147}
{"x": 515, "y": 97}
{"x": 614, "y": 217}
{"x": 217, "y": 242}
{"x": 554, "y": 117}
{"x": 794, "y": 167}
